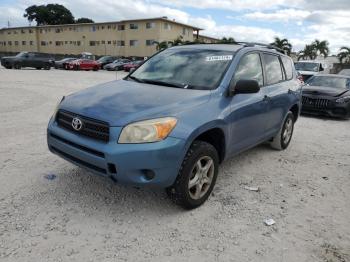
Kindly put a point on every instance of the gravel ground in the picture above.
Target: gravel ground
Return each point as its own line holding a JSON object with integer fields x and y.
{"x": 82, "y": 217}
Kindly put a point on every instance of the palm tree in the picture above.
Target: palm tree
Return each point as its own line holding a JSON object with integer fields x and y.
{"x": 161, "y": 45}
{"x": 309, "y": 52}
{"x": 282, "y": 44}
{"x": 321, "y": 47}
{"x": 344, "y": 55}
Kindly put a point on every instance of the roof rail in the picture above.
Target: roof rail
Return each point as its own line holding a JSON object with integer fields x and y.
{"x": 269, "y": 46}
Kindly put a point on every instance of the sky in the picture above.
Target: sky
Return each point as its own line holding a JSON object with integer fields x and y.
{"x": 300, "y": 21}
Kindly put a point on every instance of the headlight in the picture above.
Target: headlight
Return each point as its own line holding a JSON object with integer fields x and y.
{"x": 343, "y": 99}
{"x": 147, "y": 131}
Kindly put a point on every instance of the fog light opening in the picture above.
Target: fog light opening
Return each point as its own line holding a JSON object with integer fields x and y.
{"x": 112, "y": 169}
{"x": 148, "y": 174}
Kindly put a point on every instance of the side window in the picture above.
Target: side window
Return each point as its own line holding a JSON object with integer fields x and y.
{"x": 249, "y": 68}
{"x": 288, "y": 67}
{"x": 273, "y": 69}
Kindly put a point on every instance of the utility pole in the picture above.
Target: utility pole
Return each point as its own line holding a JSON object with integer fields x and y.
{"x": 8, "y": 23}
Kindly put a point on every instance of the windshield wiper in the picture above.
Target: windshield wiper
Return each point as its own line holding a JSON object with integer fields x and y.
{"x": 162, "y": 83}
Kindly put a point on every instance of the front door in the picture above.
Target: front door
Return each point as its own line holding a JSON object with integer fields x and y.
{"x": 248, "y": 111}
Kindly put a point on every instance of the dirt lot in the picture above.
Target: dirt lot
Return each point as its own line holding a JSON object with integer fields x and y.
{"x": 81, "y": 217}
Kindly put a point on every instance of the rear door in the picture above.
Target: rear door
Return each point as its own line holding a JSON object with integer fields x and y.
{"x": 276, "y": 90}
{"x": 248, "y": 111}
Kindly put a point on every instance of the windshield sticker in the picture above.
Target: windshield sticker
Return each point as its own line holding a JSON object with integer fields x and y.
{"x": 219, "y": 58}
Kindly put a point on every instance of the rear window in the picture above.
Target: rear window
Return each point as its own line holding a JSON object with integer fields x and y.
{"x": 288, "y": 67}
{"x": 273, "y": 69}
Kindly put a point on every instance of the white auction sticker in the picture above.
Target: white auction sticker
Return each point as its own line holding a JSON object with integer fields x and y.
{"x": 218, "y": 58}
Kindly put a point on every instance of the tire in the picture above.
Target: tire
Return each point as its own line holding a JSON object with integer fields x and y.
{"x": 76, "y": 67}
{"x": 17, "y": 66}
{"x": 8, "y": 67}
{"x": 95, "y": 68}
{"x": 282, "y": 140}
{"x": 192, "y": 171}
{"x": 38, "y": 68}
{"x": 47, "y": 66}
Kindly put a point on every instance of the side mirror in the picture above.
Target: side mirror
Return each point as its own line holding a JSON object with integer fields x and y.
{"x": 244, "y": 87}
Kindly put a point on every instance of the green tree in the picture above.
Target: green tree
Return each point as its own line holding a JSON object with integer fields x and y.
{"x": 321, "y": 47}
{"x": 309, "y": 52}
{"x": 344, "y": 55}
{"x": 282, "y": 44}
{"x": 51, "y": 14}
{"x": 84, "y": 20}
{"x": 225, "y": 40}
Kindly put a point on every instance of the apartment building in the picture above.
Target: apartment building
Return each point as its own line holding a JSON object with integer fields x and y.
{"x": 120, "y": 38}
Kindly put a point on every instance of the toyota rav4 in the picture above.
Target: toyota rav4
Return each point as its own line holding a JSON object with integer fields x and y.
{"x": 173, "y": 120}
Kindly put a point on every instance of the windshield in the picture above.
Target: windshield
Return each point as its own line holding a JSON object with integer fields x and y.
{"x": 302, "y": 66}
{"x": 21, "y": 54}
{"x": 328, "y": 81}
{"x": 187, "y": 67}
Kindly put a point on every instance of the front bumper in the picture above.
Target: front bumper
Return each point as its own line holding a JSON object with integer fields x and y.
{"x": 152, "y": 164}
{"x": 332, "y": 109}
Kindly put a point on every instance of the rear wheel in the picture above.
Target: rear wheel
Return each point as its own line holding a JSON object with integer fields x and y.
{"x": 95, "y": 68}
{"x": 282, "y": 140}
{"x": 47, "y": 66}
{"x": 196, "y": 177}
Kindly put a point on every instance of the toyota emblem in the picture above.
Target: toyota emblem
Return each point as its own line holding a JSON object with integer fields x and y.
{"x": 77, "y": 124}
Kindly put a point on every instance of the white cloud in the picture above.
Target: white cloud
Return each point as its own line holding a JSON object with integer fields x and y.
{"x": 284, "y": 15}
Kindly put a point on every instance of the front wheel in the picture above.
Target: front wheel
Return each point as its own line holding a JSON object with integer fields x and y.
{"x": 47, "y": 67}
{"x": 197, "y": 176}
{"x": 17, "y": 66}
{"x": 282, "y": 140}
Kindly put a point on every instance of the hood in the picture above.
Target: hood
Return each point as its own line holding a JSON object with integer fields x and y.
{"x": 325, "y": 91}
{"x": 121, "y": 102}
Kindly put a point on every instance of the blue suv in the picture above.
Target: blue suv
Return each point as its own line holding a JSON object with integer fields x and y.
{"x": 172, "y": 121}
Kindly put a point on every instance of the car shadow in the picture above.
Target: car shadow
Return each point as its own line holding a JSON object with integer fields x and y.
{"x": 323, "y": 117}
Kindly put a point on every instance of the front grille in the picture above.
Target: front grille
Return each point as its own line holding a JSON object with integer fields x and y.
{"x": 315, "y": 102}
{"x": 91, "y": 128}
{"x": 86, "y": 149}
{"x": 79, "y": 161}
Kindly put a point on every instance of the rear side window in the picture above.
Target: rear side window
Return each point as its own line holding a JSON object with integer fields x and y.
{"x": 249, "y": 68}
{"x": 273, "y": 69}
{"x": 288, "y": 67}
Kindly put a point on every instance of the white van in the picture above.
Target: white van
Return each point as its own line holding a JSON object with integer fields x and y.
{"x": 312, "y": 67}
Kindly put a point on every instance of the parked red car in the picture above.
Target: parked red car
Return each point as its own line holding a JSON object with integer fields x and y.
{"x": 132, "y": 65}
{"x": 84, "y": 64}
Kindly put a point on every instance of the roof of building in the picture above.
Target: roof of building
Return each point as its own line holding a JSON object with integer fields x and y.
{"x": 208, "y": 37}
{"x": 164, "y": 18}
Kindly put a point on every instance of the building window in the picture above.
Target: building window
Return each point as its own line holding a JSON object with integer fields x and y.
{"x": 103, "y": 42}
{"x": 16, "y": 43}
{"x": 66, "y": 42}
{"x": 78, "y": 43}
{"x": 150, "y": 25}
{"x": 134, "y": 42}
{"x": 120, "y": 43}
{"x": 31, "y": 43}
{"x": 43, "y": 43}
{"x": 24, "y": 43}
{"x": 93, "y": 28}
{"x": 102, "y": 27}
{"x": 92, "y": 43}
{"x": 109, "y": 27}
{"x": 30, "y": 31}
{"x": 121, "y": 27}
{"x": 9, "y": 43}
{"x": 23, "y": 31}
{"x": 58, "y": 30}
{"x": 149, "y": 42}
{"x": 109, "y": 42}
{"x": 9, "y": 32}
{"x": 59, "y": 43}
{"x": 15, "y": 32}
{"x": 167, "y": 26}
{"x": 134, "y": 26}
